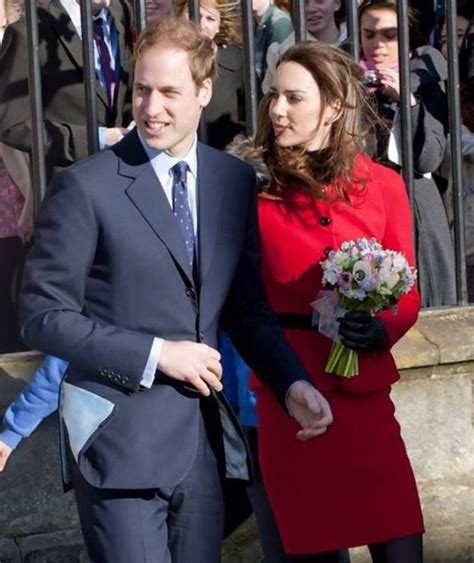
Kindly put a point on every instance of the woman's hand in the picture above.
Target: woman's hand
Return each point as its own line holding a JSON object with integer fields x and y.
{"x": 390, "y": 80}
{"x": 362, "y": 332}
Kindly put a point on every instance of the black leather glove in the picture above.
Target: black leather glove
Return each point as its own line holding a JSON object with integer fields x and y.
{"x": 362, "y": 332}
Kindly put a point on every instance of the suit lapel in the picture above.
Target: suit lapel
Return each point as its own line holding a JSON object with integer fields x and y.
{"x": 147, "y": 195}
{"x": 71, "y": 42}
{"x": 210, "y": 192}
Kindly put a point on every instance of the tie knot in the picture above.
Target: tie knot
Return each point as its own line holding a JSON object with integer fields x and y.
{"x": 179, "y": 171}
{"x": 98, "y": 29}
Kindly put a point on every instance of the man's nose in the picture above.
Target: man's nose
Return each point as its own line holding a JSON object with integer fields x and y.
{"x": 155, "y": 104}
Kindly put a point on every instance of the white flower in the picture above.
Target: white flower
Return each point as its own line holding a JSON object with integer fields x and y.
{"x": 361, "y": 270}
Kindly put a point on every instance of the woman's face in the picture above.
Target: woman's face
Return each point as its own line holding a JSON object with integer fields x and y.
{"x": 379, "y": 40}
{"x": 210, "y": 20}
{"x": 320, "y": 14}
{"x": 295, "y": 109}
{"x": 461, "y": 24}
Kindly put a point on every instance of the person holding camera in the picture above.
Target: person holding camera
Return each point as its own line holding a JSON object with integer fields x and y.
{"x": 428, "y": 106}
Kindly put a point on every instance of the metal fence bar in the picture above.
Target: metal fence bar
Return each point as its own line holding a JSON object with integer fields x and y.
{"x": 140, "y": 14}
{"x": 299, "y": 20}
{"x": 37, "y": 164}
{"x": 353, "y": 28}
{"x": 194, "y": 10}
{"x": 89, "y": 76}
{"x": 456, "y": 150}
{"x": 250, "y": 76}
{"x": 405, "y": 94}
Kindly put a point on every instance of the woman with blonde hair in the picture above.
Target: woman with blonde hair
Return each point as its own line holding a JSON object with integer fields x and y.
{"x": 352, "y": 485}
{"x": 223, "y": 118}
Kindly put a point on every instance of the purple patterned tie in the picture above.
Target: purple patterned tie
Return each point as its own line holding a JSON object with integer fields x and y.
{"x": 105, "y": 60}
{"x": 181, "y": 206}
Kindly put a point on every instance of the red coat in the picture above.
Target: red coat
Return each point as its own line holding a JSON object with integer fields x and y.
{"x": 353, "y": 485}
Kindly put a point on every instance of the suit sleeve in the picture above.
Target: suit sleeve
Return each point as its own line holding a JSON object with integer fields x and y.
{"x": 399, "y": 236}
{"x": 64, "y": 143}
{"x": 251, "y": 324}
{"x": 53, "y": 310}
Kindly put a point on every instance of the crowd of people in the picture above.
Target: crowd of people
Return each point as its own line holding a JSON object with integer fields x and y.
{"x": 174, "y": 303}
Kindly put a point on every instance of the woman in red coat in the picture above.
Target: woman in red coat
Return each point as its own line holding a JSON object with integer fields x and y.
{"x": 353, "y": 485}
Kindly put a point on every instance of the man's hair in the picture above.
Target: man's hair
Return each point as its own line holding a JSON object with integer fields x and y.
{"x": 178, "y": 33}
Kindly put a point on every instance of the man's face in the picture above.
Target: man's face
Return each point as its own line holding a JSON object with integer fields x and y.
{"x": 167, "y": 103}
{"x": 158, "y": 9}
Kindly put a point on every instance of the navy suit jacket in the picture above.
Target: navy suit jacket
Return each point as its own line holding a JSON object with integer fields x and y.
{"x": 109, "y": 271}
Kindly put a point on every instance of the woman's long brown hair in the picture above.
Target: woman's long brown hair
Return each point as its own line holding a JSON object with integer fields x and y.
{"x": 339, "y": 79}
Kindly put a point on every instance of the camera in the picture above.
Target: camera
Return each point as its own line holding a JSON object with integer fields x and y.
{"x": 371, "y": 79}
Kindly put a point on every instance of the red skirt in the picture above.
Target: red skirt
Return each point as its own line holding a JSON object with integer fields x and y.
{"x": 352, "y": 486}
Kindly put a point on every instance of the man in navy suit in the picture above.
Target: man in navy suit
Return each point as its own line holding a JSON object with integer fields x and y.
{"x": 141, "y": 251}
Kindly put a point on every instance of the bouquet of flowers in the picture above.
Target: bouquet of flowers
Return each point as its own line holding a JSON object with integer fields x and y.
{"x": 363, "y": 277}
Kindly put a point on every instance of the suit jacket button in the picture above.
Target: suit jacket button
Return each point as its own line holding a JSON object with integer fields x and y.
{"x": 190, "y": 292}
{"x": 201, "y": 336}
{"x": 325, "y": 221}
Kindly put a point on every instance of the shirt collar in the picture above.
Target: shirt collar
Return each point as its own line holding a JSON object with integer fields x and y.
{"x": 163, "y": 162}
{"x": 74, "y": 12}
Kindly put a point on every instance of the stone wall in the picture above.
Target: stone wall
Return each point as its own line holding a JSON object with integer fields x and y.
{"x": 434, "y": 399}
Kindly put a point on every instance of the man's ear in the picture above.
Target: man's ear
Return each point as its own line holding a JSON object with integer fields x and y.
{"x": 205, "y": 92}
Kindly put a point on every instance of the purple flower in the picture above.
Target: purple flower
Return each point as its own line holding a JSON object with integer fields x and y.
{"x": 344, "y": 280}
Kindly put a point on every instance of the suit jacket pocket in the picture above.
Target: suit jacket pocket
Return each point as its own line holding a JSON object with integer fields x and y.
{"x": 84, "y": 413}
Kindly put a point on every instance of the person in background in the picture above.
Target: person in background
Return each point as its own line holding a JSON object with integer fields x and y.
{"x": 428, "y": 105}
{"x": 465, "y": 14}
{"x": 273, "y": 28}
{"x": 324, "y": 22}
{"x": 222, "y": 119}
{"x": 15, "y": 218}
{"x": 62, "y": 78}
{"x": 352, "y": 485}
{"x": 158, "y": 9}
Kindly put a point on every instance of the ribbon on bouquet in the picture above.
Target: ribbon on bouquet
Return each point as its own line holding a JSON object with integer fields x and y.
{"x": 326, "y": 311}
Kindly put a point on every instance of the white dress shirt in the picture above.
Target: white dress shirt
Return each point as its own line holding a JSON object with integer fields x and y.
{"x": 162, "y": 164}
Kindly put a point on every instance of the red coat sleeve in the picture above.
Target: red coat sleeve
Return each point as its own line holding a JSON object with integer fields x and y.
{"x": 399, "y": 236}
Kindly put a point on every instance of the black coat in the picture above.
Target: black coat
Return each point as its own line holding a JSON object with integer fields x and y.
{"x": 434, "y": 247}
{"x": 62, "y": 76}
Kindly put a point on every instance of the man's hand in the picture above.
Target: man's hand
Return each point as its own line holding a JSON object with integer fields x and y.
{"x": 310, "y": 409}
{"x": 193, "y": 363}
{"x": 5, "y": 452}
{"x": 114, "y": 135}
